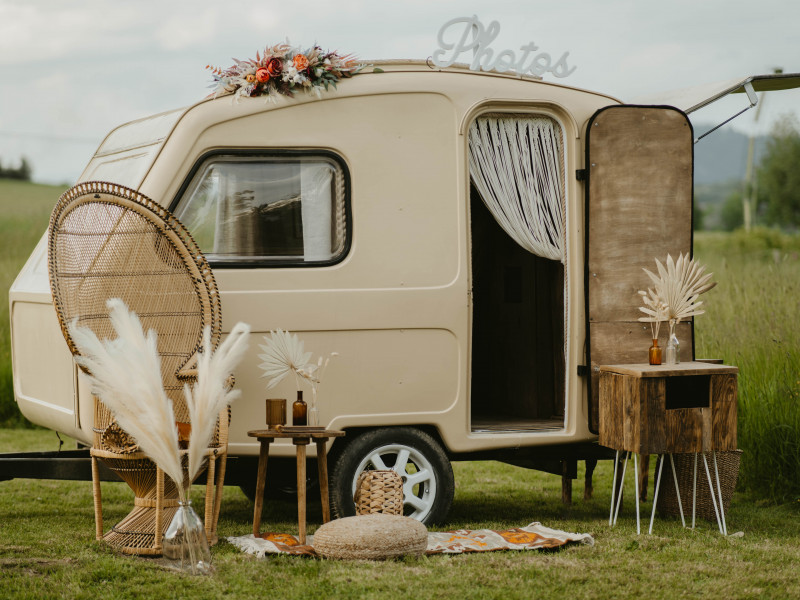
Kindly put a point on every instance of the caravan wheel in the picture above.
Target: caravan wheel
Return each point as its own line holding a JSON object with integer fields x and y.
{"x": 413, "y": 454}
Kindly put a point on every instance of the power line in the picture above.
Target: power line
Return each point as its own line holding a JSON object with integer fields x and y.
{"x": 50, "y": 137}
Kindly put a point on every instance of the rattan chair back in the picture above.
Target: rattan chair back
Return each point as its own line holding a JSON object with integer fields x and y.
{"x": 107, "y": 241}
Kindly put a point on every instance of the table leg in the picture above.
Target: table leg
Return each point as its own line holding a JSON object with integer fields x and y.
{"x": 613, "y": 490}
{"x": 322, "y": 467}
{"x": 636, "y": 491}
{"x": 677, "y": 489}
{"x": 713, "y": 498}
{"x": 659, "y": 468}
{"x": 260, "y": 483}
{"x": 301, "y": 491}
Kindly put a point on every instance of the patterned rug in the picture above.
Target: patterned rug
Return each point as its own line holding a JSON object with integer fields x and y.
{"x": 533, "y": 537}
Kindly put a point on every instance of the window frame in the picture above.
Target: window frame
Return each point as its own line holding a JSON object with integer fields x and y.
{"x": 282, "y": 153}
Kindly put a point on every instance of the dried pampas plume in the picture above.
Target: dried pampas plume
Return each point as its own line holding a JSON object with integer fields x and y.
{"x": 211, "y": 393}
{"x": 126, "y": 375}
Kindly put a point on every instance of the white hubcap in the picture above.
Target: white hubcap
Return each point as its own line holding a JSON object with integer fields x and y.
{"x": 419, "y": 481}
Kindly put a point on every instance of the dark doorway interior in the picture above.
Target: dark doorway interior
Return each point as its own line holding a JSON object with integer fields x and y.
{"x": 517, "y": 332}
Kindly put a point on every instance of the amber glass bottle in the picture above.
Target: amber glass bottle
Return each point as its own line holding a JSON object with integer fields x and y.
{"x": 299, "y": 411}
{"x": 655, "y": 353}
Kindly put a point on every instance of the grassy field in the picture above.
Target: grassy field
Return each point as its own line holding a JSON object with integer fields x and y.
{"x": 47, "y": 547}
{"x": 753, "y": 321}
{"x": 24, "y": 212}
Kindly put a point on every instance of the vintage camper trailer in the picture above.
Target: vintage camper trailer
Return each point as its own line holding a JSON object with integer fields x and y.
{"x": 469, "y": 243}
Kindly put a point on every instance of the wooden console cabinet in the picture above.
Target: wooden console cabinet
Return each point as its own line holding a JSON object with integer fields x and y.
{"x": 668, "y": 409}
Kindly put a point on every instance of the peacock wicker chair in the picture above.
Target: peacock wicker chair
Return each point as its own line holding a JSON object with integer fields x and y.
{"x": 107, "y": 241}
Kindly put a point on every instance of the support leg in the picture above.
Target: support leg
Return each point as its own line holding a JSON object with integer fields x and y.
{"x": 644, "y": 476}
{"x": 713, "y": 498}
{"x": 322, "y": 469}
{"x": 301, "y": 491}
{"x": 677, "y": 489}
{"x": 636, "y": 487}
{"x": 719, "y": 492}
{"x": 588, "y": 488}
{"x": 619, "y": 485}
{"x": 98, "y": 501}
{"x": 260, "y": 482}
{"x": 659, "y": 469}
{"x": 613, "y": 490}
{"x": 566, "y": 483}
{"x": 694, "y": 491}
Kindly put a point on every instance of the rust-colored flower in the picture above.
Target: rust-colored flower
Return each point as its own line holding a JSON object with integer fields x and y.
{"x": 274, "y": 67}
{"x": 262, "y": 75}
{"x": 300, "y": 62}
{"x": 250, "y": 78}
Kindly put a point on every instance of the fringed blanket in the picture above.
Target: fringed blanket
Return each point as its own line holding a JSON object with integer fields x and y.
{"x": 533, "y": 537}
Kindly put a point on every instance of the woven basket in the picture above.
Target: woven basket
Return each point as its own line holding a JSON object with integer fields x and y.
{"x": 379, "y": 492}
{"x": 728, "y": 466}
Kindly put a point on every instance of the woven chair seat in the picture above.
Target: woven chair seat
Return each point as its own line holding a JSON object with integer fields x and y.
{"x": 375, "y": 536}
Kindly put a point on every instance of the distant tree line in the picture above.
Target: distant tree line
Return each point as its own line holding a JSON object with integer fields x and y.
{"x": 777, "y": 193}
{"x": 22, "y": 172}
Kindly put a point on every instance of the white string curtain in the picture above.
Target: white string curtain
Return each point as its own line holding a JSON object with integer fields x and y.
{"x": 516, "y": 164}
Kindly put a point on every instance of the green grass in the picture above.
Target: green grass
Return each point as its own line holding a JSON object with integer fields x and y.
{"x": 47, "y": 547}
{"x": 752, "y": 321}
{"x": 24, "y": 213}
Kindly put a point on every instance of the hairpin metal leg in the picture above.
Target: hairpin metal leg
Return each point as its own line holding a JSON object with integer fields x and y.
{"x": 636, "y": 491}
{"x": 719, "y": 492}
{"x": 660, "y": 465}
{"x": 613, "y": 490}
{"x": 677, "y": 489}
{"x": 621, "y": 484}
{"x": 694, "y": 490}
{"x": 711, "y": 489}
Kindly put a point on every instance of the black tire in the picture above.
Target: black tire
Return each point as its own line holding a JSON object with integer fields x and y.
{"x": 427, "y": 497}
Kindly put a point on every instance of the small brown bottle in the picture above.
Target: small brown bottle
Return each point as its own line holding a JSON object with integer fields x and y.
{"x": 299, "y": 411}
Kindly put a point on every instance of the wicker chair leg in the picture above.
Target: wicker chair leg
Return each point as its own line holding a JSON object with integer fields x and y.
{"x": 98, "y": 500}
{"x": 209, "y": 506}
{"x": 158, "y": 532}
{"x": 223, "y": 461}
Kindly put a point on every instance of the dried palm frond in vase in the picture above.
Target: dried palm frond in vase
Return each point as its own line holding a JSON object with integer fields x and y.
{"x": 674, "y": 296}
{"x": 677, "y": 287}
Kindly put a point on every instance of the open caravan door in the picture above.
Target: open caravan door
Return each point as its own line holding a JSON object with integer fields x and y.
{"x": 638, "y": 208}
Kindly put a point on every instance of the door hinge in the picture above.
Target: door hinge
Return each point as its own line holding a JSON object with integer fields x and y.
{"x": 580, "y": 174}
{"x": 583, "y": 370}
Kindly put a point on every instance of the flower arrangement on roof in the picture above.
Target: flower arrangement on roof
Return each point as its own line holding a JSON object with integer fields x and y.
{"x": 284, "y": 69}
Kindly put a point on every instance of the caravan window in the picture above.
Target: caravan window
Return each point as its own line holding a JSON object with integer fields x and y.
{"x": 287, "y": 209}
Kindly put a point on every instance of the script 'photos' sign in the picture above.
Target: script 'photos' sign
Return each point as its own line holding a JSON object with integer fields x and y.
{"x": 463, "y": 34}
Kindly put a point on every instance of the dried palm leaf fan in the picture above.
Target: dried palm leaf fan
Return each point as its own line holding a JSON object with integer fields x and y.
{"x": 107, "y": 241}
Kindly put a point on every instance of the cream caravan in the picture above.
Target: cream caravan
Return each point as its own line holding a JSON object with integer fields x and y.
{"x": 469, "y": 243}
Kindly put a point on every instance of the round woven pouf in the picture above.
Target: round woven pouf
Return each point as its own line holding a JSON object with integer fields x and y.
{"x": 371, "y": 537}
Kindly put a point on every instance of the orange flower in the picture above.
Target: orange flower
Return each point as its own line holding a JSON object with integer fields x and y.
{"x": 250, "y": 78}
{"x": 300, "y": 62}
{"x": 262, "y": 75}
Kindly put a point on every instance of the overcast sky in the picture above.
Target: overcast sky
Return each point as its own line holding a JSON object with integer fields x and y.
{"x": 72, "y": 70}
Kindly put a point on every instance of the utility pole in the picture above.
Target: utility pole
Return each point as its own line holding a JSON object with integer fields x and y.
{"x": 750, "y": 181}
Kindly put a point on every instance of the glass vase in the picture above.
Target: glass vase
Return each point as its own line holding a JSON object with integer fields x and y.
{"x": 313, "y": 416}
{"x": 185, "y": 546}
{"x": 655, "y": 353}
{"x": 673, "y": 354}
